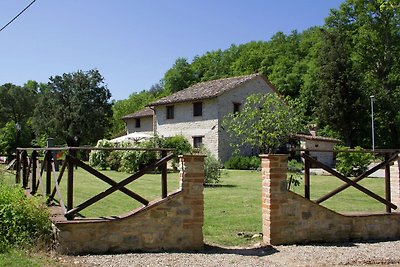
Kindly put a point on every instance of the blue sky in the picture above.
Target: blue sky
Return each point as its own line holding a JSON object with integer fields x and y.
{"x": 134, "y": 42}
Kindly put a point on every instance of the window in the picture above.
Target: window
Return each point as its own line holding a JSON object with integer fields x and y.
{"x": 197, "y": 141}
{"x": 137, "y": 123}
{"x": 236, "y": 107}
{"x": 198, "y": 109}
{"x": 170, "y": 112}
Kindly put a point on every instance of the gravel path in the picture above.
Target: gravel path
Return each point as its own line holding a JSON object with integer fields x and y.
{"x": 344, "y": 254}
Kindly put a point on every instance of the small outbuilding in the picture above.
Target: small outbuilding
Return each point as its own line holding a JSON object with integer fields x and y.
{"x": 325, "y": 144}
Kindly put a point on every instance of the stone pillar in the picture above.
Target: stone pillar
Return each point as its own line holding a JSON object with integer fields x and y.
{"x": 395, "y": 183}
{"x": 192, "y": 183}
{"x": 274, "y": 194}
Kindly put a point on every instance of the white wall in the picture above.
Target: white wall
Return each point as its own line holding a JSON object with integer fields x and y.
{"x": 186, "y": 124}
{"x": 146, "y": 125}
{"x": 324, "y": 157}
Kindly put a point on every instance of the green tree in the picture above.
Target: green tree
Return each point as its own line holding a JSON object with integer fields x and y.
{"x": 75, "y": 105}
{"x": 375, "y": 34}
{"x": 266, "y": 121}
{"x": 340, "y": 103}
{"x": 179, "y": 77}
{"x": 16, "y": 103}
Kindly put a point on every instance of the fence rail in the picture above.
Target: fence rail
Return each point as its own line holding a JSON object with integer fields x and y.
{"x": 389, "y": 155}
{"x": 30, "y": 169}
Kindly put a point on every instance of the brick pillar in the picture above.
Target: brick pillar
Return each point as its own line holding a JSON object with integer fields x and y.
{"x": 274, "y": 193}
{"x": 192, "y": 184}
{"x": 395, "y": 183}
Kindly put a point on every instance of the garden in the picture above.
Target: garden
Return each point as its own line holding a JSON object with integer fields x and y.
{"x": 232, "y": 204}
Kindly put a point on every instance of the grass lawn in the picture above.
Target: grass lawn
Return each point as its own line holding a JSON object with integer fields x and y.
{"x": 18, "y": 258}
{"x": 232, "y": 208}
{"x": 349, "y": 200}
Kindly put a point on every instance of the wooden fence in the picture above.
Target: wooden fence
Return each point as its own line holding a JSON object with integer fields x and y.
{"x": 388, "y": 155}
{"x": 36, "y": 169}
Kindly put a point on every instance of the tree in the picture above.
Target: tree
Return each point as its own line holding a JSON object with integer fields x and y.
{"x": 340, "y": 103}
{"x": 179, "y": 77}
{"x": 266, "y": 121}
{"x": 373, "y": 28}
{"x": 16, "y": 103}
{"x": 75, "y": 105}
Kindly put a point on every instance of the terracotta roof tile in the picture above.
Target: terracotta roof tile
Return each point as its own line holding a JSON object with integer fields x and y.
{"x": 204, "y": 90}
{"x": 146, "y": 112}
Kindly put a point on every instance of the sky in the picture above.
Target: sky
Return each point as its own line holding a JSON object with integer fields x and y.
{"x": 134, "y": 42}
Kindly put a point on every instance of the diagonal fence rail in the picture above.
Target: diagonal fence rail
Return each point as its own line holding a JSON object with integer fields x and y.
{"x": 389, "y": 157}
{"x": 38, "y": 171}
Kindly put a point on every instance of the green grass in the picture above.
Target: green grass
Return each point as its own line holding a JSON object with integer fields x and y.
{"x": 17, "y": 258}
{"x": 87, "y": 186}
{"x": 349, "y": 200}
{"x": 232, "y": 208}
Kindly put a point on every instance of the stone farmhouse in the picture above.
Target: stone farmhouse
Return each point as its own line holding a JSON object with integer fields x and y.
{"x": 141, "y": 121}
{"x": 197, "y": 112}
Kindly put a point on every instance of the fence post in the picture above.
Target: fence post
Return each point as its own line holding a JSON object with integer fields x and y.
{"x": 34, "y": 171}
{"x": 274, "y": 193}
{"x": 70, "y": 181}
{"x": 387, "y": 183}
{"x": 307, "y": 176}
{"x": 395, "y": 183}
{"x": 164, "y": 190}
{"x": 24, "y": 169}
{"x": 48, "y": 158}
{"x": 192, "y": 185}
{"x": 18, "y": 167}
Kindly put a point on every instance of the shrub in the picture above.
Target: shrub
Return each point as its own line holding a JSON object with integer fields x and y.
{"x": 24, "y": 221}
{"x": 98, "y": 158}
{"x": 352, "y": 164}
{"x": 243, "y": 163}
{"x": 212, "y": 167}
{"x": 180, "y": 144}
{"x": 132, "y": 160}
{"x": 129, "y": 161}
{"x": 295, "y": 166}
{"x": 114, "y": 160}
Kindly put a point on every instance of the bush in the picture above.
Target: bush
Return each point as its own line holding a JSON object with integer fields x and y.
{"x": 23, "y": 221}
{"x": 132, "y": 160}
{"x": 180, "y": 144}
{"x": 352, "y": 164}
{"x": 212, "y": 167}
{"x": 128, "y": 161}
{"x": 243, "y": 163}
{"x": 295, "y": 166}
{"x": 114, "y": 160}
{"x": 98, "y": 158}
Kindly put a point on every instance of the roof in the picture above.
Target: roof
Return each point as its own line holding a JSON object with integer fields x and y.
{"x": 316, "y": 138}
{"x": 146, "y": 112}
{"x": 206, "y": 90}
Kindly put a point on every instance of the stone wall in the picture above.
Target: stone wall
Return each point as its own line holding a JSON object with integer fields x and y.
{"x": 173, "y": 223}
{"x": 325, "y": 157}
{"x": 184, "y": 123}
{"x": 146, "y": 125}
{"x": 209, "y": 125}
{"x": 289, "y": 218}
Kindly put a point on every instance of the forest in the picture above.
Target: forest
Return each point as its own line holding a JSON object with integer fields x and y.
{"x": 332, "y": 70}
